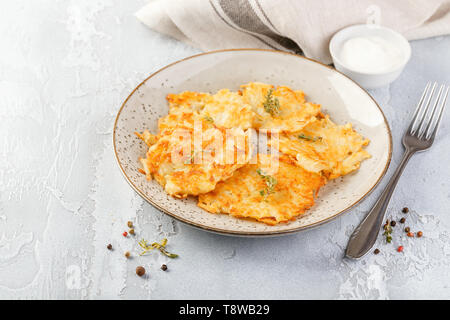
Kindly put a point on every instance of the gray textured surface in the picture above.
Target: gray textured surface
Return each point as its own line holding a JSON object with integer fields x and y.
{"x": 65, "y": 68}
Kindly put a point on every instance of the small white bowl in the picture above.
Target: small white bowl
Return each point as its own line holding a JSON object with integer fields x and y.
{"x": 373, "y": 79}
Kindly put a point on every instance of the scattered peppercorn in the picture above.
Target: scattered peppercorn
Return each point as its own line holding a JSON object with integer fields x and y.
{"x": 140, "y": 271}
{"x": 109, "y": 246}
{"x": 127, "y": 254}
{"x": 376, "y": 251}
{"x": 400, "y": 249}
{"x": 407, "y": 229}
{"x": 410, "y": 234}
{"x": 419, "y": 234}
{"x": 393, "y": 223}
{"x": 405, "y": 210}
{"x": 130, "y": 224}
{"x": 163, "y": 267}
{"x": 402, "y": 220}
{"x": 125, "y": 233}
{"x": 131, "y": 231}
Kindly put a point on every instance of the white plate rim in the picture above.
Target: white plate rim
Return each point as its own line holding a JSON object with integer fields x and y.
{"x": 243, "y": 233}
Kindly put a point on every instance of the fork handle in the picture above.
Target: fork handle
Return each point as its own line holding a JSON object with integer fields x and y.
{"x": 365, "y": 235}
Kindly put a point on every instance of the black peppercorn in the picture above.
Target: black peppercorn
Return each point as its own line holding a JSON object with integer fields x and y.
{"x": 376, "y": 251}
{"x": 405, "y": 210}
{"x": 163, "y": 267}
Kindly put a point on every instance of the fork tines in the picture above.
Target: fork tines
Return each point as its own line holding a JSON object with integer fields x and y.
{"x": 429, "y": 112}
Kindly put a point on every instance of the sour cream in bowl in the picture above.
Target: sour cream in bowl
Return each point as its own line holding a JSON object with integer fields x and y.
{"x": 371, "y": 55}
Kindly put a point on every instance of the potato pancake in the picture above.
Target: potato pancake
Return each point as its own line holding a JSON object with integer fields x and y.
{"x": 323, "y": 146}
{"x": 280, "y": 109}
{"x": 260, "y": 192}
{"x": 184, "y": 168}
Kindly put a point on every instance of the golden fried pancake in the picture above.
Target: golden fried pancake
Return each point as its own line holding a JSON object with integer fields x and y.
{"x": 184, "y": 167}
{"x": 280, "y": 109}
{"x": 265, "y": 193}
{"x": 323, "y": 146}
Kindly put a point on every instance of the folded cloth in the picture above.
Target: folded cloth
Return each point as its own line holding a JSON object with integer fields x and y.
{"x": 301, "y": 26}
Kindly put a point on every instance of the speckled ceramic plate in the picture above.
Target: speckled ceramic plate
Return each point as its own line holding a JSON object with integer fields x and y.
{"x": 339, "y": 96}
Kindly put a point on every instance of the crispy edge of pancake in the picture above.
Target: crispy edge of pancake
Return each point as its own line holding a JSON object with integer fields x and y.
{"x": 148, "y": 138}
{"x": 192, "y": 100}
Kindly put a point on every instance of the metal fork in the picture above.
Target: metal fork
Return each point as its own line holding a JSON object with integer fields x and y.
{"x": 418, "y": 137}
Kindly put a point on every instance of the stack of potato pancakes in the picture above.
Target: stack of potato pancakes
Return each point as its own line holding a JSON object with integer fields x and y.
{"x": 204, "y": 148}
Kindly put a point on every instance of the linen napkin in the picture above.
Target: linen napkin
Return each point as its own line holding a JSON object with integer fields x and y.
{"x": 300, "y": 26}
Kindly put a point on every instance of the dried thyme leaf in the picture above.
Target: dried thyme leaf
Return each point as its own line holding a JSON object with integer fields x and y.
{"x": 270, "y": 183}
{"x": 191, "y": 159}
{"x": 209, "y": 119}
{"x": 387, "y": 231}
{"x": 272, "y": 104}
{"x": 170, "y": 255}
{"x": 306, "y": 137}
{"x": 155, "y": 245}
